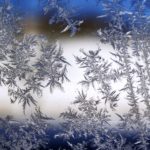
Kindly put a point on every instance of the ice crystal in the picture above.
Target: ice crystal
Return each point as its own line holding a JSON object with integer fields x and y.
{"x": 62, "y": 13}
{"x": 30, "y": 63}
{"x": 131, "y": 55}
{"x": 24, "y": 135}
{"x": 22, "y": 70}
{"x": 98, "y": 70}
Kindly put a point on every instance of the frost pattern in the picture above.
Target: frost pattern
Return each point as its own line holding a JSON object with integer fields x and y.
{"x": 62, "y": 13}
{"x": 24, "y": 135}
{"x": 131, "y": 56}
{"x": 30, "y": 63}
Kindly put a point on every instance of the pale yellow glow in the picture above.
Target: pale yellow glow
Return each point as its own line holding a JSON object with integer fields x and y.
{"x": 52, "y": 104}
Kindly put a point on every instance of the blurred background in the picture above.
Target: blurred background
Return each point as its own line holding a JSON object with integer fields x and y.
{"x": 87, "y": 10}
{"x": 36, "y": 22}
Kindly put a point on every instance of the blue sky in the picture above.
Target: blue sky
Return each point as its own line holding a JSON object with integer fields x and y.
{"x": 88, "y": 7}
{"x": 82, "y": 6}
